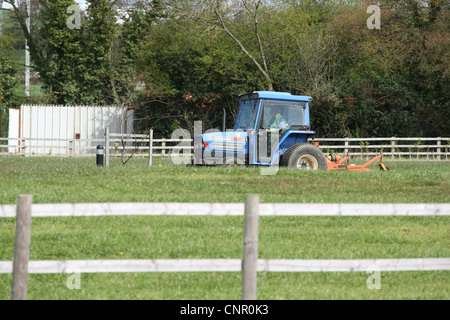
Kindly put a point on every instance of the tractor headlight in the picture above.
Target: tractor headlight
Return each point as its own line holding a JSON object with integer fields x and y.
{"x": 201, "y": 145}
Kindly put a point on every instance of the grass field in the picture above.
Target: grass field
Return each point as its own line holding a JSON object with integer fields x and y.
{"x": 62, "y": 180}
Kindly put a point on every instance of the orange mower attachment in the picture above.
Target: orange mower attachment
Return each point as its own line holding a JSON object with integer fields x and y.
{"x": 335, "y": 162}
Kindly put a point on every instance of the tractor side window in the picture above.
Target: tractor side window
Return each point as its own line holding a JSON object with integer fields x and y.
{"x": 297, "y": 114}
{"x": 270, "y": 113}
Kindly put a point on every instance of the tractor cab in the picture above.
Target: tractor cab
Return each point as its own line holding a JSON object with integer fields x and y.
{"x": 267, "y": 125}
{"x": 274, "y": 111}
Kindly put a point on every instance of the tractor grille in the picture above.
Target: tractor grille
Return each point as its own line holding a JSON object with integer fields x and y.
{"x": 227, "y": 146}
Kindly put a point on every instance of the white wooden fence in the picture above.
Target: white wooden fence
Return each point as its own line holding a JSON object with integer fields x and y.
{"x": 392, "y": 148}
{"x": 253, "y": 264}
{"x": 395, "y": 148}
{"x": 138, "y": 144}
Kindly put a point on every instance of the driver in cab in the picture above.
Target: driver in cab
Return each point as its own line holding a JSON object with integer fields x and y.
{"x": 278, "y": 121}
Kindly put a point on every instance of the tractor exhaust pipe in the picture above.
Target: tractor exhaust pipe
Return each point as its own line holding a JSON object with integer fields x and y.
{"x": 224, "y": 124}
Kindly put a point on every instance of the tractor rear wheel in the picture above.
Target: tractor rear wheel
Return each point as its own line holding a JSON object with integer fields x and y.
{"x": 305, "y": 156}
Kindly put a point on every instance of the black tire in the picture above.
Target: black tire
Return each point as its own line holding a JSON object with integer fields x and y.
{"x": 285, "y": 157}
{"x": 305, "y": 156}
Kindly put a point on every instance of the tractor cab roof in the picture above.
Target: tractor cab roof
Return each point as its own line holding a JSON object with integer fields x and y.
{"x": 271, "y": 95}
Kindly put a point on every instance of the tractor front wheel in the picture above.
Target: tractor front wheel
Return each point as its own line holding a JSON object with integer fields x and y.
{"x": 304, "y": 156}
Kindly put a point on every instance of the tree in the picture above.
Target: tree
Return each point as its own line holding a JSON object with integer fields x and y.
{"x": 54, "y": 48}
{"x": 221, "y": 14}
{"x": 8, "y": 81}
{"x": 397, "y": 74}
{"x": 99, "y": 35}
{"x": 303, "y": 58}
{"x": 125, "y": 78}
{"x": 181, "y": 61}
{"x": 252, "y": 8}
{"x": 73, "y": 64}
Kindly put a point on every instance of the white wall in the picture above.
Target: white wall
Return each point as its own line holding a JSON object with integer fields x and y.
{"x": 13, "y": 131}
{"x": 58, "y": 124}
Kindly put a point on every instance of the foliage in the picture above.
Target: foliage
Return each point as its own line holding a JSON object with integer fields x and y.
{"x": 387, "y": 82}
{"x": 8, "y": 81}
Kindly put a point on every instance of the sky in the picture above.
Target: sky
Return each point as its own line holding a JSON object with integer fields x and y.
{"x": 81, "y": 2}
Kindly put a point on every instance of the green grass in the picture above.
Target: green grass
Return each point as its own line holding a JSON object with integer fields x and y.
{"x": 227, "y": 286}
{"x": 56, "y": 180}
{"x": 62, "y": 180}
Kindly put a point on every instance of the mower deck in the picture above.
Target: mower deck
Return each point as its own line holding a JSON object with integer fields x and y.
{"x": 336, "y": 163}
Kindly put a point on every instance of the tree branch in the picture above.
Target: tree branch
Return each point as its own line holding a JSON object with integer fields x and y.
{"x": 255, "y": 20}
{"x": 264, "y": 69}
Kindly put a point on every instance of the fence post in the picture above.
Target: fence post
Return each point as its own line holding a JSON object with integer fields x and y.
{"x": 70, "y": 148}
{"x": 163, "y": 150}
{"x": 22, "y": 248}
{"x": 392, "y": 148}
{"x": 150, "y": 149}
{"x": 346, "y": 146}
{"x": 107, "y": 147}
{"x": 438, "y": 150}
{"x": 250, "y": 258}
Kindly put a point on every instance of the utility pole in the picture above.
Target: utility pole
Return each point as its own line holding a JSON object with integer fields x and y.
{"x": 27, "y": 50}
{"x": 1, "y": 16}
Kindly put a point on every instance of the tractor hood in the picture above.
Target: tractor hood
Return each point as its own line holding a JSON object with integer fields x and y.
{"x": 223, "y": 141}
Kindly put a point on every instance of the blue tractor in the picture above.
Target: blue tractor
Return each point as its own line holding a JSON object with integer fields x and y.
{"x": 271, "y": 128}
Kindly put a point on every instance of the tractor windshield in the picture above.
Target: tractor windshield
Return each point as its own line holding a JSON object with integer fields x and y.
{"x": 248, "y": 110}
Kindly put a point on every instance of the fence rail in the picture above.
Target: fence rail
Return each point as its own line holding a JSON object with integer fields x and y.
{"x": 396, "y": 148}
{"x": 140, "y": 144}
{"x": 132, "y": 144}
{"x": 229, "y": 265}
{"x": 227, "y": 209}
